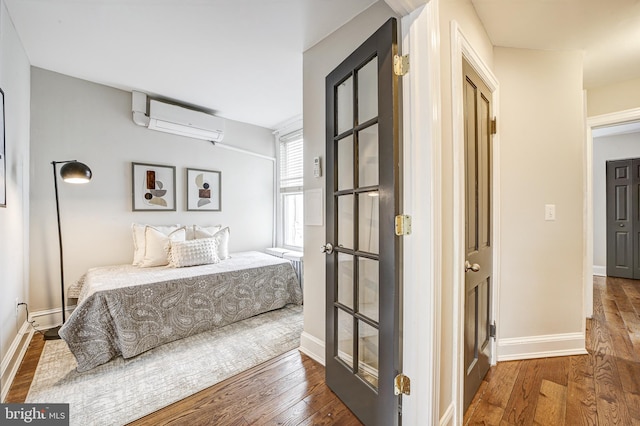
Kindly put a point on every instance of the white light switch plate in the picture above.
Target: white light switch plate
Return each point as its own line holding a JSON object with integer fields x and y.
{"x": 549, "y": 212}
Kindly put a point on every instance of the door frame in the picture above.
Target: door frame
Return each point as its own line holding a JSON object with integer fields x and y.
{"x": 462, "y": 48}
{"x": 422, "y": 199}
{"x": 609, "y": 119}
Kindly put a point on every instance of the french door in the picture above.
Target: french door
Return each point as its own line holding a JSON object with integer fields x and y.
{"x": 362, "y": 284}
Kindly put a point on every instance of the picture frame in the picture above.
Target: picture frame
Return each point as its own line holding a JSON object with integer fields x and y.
{"x": 203, "y": 189}
{"x": 3, "y": 157}
{"x": 153, "y": 187}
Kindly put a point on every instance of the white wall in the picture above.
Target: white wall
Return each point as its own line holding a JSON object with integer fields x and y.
{"x": 542, "y": 138}
{"x": 76, "y": 119}
{"x": 613, "y": 98}
{"x": 318, "y": 61}
{"x": 605, "y": 148}
{"x": 14, "y": 81}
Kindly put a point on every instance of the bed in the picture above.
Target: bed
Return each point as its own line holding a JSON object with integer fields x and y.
{"x": 126, "y": 310}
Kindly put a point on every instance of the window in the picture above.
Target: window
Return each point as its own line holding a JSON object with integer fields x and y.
{"x": 291, "y": 181}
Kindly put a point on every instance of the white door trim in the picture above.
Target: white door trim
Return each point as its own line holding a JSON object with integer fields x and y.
{"x": 422, "y": 200}
{"x": 593, "y": 122}
{"x": 462, "y": 48}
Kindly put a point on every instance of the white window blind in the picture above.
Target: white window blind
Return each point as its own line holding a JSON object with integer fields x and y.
{"x": 291, "y": 173}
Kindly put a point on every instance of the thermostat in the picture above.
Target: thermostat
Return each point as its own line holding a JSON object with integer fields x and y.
{"x": 317, "y": 168}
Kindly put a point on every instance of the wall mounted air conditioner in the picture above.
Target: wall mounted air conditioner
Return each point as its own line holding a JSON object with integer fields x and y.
{"x": 169, "y": 118}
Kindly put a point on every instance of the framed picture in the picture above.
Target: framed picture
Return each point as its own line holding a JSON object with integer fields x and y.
{"x": 3, "y": 160}
{"x": 203, "y": 190}
{"x": 154, "y": 187}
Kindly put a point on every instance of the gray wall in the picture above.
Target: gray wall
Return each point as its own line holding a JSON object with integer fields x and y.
{"x": 76, "y": 119}
{"x": 14, "y": 81}
{"x": 616, "y": 147}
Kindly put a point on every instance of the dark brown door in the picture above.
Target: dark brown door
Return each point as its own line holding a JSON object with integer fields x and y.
{"x": 623, "y": 218}
{"x": 479, "y": 250}
{"x": 362, "y": 317}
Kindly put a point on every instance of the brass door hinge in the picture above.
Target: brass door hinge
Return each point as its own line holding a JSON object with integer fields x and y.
{"x": 400, "y": 64}
{"x": 494, "y": 126}
{"x": 402, "y": 385}
{"x": 403, "y": 224}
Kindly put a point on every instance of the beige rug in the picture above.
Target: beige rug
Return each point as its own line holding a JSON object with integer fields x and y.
{"x": 124, "y": 390}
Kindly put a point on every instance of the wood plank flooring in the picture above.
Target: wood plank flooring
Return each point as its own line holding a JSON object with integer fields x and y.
{"x": 601, "y": 388}
{"x": 20, "y": 386}
{"x": 287, "y": 390}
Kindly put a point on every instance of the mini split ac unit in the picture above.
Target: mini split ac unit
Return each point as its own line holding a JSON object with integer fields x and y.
{"x": 170, "y": 118}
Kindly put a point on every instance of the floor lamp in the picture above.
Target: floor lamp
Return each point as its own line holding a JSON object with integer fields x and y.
{"x": 72, "y": 171}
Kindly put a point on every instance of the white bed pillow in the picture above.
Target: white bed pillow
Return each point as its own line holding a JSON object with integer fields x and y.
{"x": 197, "y": 231}
{"x": 158, "y": 244}
{"x": 139, "y": 239}
{"x": 193, "y": 252}
{"x": 221, "y": 236}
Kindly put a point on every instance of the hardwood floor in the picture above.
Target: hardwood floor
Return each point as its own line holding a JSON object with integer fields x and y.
{"x": 601, "y": 388}
{"x": 287, "y": 390}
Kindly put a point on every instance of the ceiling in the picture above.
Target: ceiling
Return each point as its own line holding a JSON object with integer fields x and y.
{"x": 242, "y": 59}
{"x": 608, "y": 31}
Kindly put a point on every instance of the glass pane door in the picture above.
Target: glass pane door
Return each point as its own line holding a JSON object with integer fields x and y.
{"x": 362, "y": 189}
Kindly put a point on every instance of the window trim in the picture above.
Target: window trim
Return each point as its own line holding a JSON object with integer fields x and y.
{"x": 292, "y": 131}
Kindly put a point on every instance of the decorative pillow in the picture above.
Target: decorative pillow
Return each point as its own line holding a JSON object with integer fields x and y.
{"x": 193, "y": 252}
{"x": 197, "y": 231}
{"x": 138, "y": 232}
{"x": 222, "y": 238}
{"x": 157, "y": 246}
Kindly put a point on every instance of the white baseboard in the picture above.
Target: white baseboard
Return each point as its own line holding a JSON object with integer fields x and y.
{"x": 518, "y": 348}
{"x": 447, "y": 417}
{"x": 43, "y": 320}
{"x": 600, "y": 271}
{"x": 13, "y": 358}
{"x": 50, "y": 318}
{"x": 312, "y": 347}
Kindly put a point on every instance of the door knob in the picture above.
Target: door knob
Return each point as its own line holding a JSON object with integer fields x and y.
{"x": 621, "y": 225}
{"x": 327, "y": 248}
{"x": 469, "y": 267}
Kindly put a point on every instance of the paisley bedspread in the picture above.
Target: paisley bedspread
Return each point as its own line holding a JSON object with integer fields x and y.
{"x": 126, "y": 310}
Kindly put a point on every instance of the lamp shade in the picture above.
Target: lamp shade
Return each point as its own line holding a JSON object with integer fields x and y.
{"x": 75, "y": 172}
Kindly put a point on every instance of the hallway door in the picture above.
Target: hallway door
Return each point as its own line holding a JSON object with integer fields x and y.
{"x": 623, "y": 218}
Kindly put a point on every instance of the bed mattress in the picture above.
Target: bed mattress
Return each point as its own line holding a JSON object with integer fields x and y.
{"x": 126, "y": 310}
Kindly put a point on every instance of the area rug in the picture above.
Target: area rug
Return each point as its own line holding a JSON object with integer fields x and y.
{"x": 124, "y": 390}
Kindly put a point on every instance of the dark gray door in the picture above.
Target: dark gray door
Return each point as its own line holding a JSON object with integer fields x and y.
{"x": 479, "y": 250}
{"x": 362, "y": 287}
{"x": 623, "y": 222}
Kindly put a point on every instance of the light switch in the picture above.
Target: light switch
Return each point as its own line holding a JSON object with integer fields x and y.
{"x": 549, "y": 212}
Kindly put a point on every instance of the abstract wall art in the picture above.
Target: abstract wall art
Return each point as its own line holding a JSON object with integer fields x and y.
{"x": 154, "y": 187}
{"x": 203, "y": 190}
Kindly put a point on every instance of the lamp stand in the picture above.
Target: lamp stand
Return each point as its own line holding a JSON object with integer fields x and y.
{"x": 52, "y": 334}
